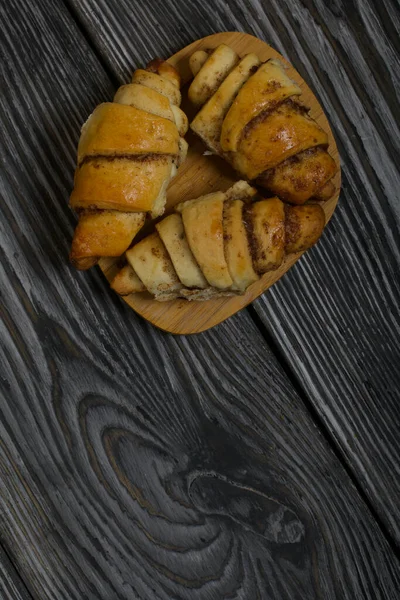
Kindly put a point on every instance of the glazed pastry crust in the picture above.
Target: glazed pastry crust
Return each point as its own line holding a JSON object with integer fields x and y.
{"x": 106, "y": 231}
{"x": 257, "y": 123}
{"x": 203, "y": 223}
{"x": 128, "y": 152}
{"x": 264, "y": 91}
{"x": 219, "y": 245}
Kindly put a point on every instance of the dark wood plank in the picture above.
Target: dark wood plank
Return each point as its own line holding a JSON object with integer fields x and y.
{"x": 135, "y": 464}
{"x": 11, "y": 586}
{"x": 335, "y": 317}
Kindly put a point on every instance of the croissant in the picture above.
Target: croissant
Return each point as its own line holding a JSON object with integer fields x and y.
{"x": 218, "y": 245}
{"x": 249, "y": 114}
{"x": 128, "y": 151}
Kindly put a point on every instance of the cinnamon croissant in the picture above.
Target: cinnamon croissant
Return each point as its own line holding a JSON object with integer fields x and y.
{"x": 249, "y": 113}
{"x": 218, "y": 245}
{"x": 128, "y": 151}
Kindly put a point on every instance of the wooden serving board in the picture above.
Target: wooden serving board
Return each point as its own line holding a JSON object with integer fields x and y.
{"x": 201, "y": 174}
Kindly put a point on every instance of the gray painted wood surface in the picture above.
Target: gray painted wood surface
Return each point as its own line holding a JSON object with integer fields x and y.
{"x": 134, "y": 464}
{"x": 11, "y": 585}
{"x": 335, "y": 317}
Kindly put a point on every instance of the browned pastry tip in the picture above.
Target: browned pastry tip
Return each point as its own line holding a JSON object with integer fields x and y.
{"x": 326, "y": 191}
{"x": 83, "y": 264}
{"x": 163, "y": 68}
{"x": 103, "y": 233}
{"x": 266, "y": 227}
{"x": 303, "y": 226}
{"x": 300, "y": 177}
{"x": 197, "y": 60}
{"x": 127, "y": 282}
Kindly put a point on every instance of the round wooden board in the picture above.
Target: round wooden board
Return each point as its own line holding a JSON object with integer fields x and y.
{"x": 201, "y": 174}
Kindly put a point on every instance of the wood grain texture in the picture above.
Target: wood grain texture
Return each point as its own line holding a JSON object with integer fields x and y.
{"x": 349, "y": 53}
{"x": 11, "y": 585}
{"x": 196, "y": 483}
{"x": 135, "y": 464}
{"x": 350, "y": 366}
{"x": 201, "y": 175}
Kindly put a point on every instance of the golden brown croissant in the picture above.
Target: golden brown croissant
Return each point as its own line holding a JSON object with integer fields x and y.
{"x": 218, "y": 245}
{"x": 128, "y": 151}
{"x": 249, "y": 114}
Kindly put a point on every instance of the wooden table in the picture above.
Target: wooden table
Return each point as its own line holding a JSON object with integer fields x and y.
{"x": 259, "y": 460}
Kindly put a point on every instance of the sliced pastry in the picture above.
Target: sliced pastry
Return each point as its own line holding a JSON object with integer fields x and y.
{"x": 128, "y": 151}
{"x": 218, "y": 245}
{"x": 251, "y": 114}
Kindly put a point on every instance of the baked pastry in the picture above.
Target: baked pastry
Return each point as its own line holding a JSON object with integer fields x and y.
{"x": 218, "y": 245}
{"x": 128, "y": 151}
{"x": 251, "y": 115}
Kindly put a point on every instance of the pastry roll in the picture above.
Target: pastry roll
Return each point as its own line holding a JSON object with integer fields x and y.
{"x": 218, "y": 245}
{"x": 128, "y": 152}
{"x": 251, "y": 115}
